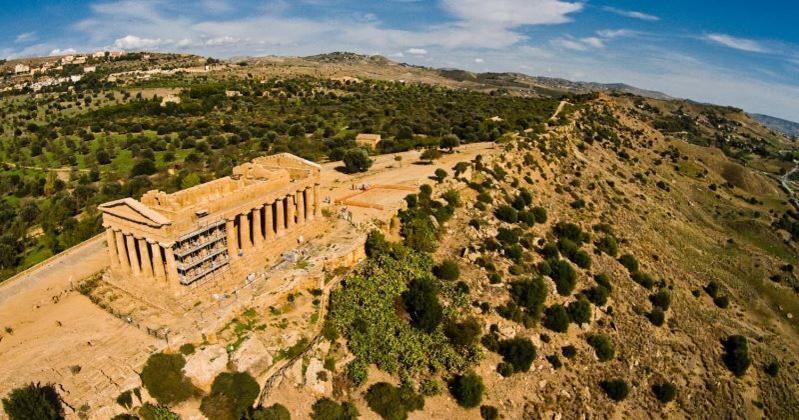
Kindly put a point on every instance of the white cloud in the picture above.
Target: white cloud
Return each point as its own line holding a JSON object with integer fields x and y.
{"x": 416, "y": 51}
{"x": 513, "y": 13}
{"x": 632, "y": 14}
{"x": 479, "y": 60}
{"x": 25, "y": 37}
{"x": 593, "y": 42}
{"x": 615, "y": 33}
{"x": 58, "y": 51}
{"x": 132, "y": 42}
{"x": 582, "y": 44}
{"x": 730, "y": 41}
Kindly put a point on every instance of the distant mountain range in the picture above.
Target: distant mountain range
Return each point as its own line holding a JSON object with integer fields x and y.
{"x": 786, "y": 127}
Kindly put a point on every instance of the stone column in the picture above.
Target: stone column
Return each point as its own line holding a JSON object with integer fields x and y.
{"x": 244, "y": 232}
{"x": 300, "y": 199}
{"x": 122, "y": 254}
{"x": 132, "y": 256}
{"x": 310, "y": 213}
{"x": 281, "y": 219}
{"x": 171, "y": 266}
{"x": 146, "y": 264}
{"x": 257, "y": 232}
{"x": 232, "y": 248}
{"x": 111, "y": 242}
{"x": 269, "y": 231}
{"x": 158, "y": 261}
{"x": 291, "y": 208}
{"x": 316, "y": 208}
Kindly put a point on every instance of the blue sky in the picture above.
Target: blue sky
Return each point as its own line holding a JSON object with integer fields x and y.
{"x": 734, "y": 52}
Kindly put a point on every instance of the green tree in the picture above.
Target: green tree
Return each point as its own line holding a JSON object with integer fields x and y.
{"x": 34, "y": 401}
{"x": 392, "y": 403}
{"x": 580, "y": 311}
{"x": 467, "y": 389}
{"x": 356, "y": 160}
{"x": 273, "y": 412}
{"x": 231, "y": 395}
{"x": 556, "y": 318}
{"x": 327, "y": 409}
{"x": 519, "y": 352}
{"x": 421, "y": 302}
{"x": 163, "y": 378}
{"x": 736, "y": 354}
{"x": 450, "y": 141}
{"x": 616, "y": 389}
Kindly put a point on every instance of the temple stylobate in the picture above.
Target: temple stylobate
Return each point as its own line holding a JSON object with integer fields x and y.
{"x": 224, "y": 225}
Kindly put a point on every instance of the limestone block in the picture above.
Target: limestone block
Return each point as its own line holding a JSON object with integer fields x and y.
{"x": 205, "y": 364}
{"x": 317, "y": 379}
{"x": 251, "y": 356}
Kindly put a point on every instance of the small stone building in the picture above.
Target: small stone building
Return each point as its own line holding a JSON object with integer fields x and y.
{"x": 367, "y": 140}
{"x": 228, "y": 226}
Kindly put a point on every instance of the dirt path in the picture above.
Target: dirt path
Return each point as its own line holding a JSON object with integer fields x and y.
{"x": 557, "y": 111}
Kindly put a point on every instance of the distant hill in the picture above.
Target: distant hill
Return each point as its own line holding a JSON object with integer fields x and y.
{"x": 786, "y": 127}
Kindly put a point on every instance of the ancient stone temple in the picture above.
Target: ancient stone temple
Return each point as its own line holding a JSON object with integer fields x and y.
{"x": 228, "y": 226}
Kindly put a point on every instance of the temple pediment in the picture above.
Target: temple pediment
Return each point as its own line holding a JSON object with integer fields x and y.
{"x": 134, "y": 211}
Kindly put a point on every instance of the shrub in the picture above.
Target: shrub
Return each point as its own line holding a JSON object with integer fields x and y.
{"x": 604, "y": 281}
{"x": 506, "y": 213}
{"x": 657, "y": 317}
{"x": 421, "y": 302}
{"x": 580, "y": 311}
{"x": 447, "y": 270}
{"x": 391, "y": 402}
{"x": 664, "y": 392}
{"x": 440, "y": 175}
{"x": 608, "y": 245}
{"x": 556, "y": 318}
{"x": 505, "y": 369}
{"x": 508, "y": 236}
{"x": 661, "y": 299}
{"x": 772, "y": 369}
{"x": 554, "y": 360}
{"x": 530, "y": 294}
{"x": 518, "y": 352}
{"x": 602, "y": 345}
{"x": 540, "y": 214}
{"x": 736, "y": 354}
{"x": 327, "y": 409}
{"x": 582, "y": 259}
{"x": 712, "y": 289}
{"x": 156, "y": 412}
{"x": 616, "y": 389}
{"x": 187, "y": 349}
{"x": 629, "y": 262}
{"x": 231, "y": 395}
{"x": 357, "y": 372}
{"x": 722, "y": 301}
{"x": 464, "y": 333}
{"x": 488, "y": 412}
{"x": 467, "y": 389}
{"x": 163, "y": 378}
{"x": 34, "y": 401}
{"x": 356, "y": 160}
{"x": 598, "y": 295}
{"x": 643, "y": 279}
{"x": 568, "y": 351}
{"x": 550, "y": 251}
{"x": 564, "y": 275}
{"x": 527, "y": 217}
{"x": 572, "y": 232}
{"x": 273, "y": 412}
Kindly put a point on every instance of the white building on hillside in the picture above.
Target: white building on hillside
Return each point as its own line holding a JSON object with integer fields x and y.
{"x": 22, "y": 68}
